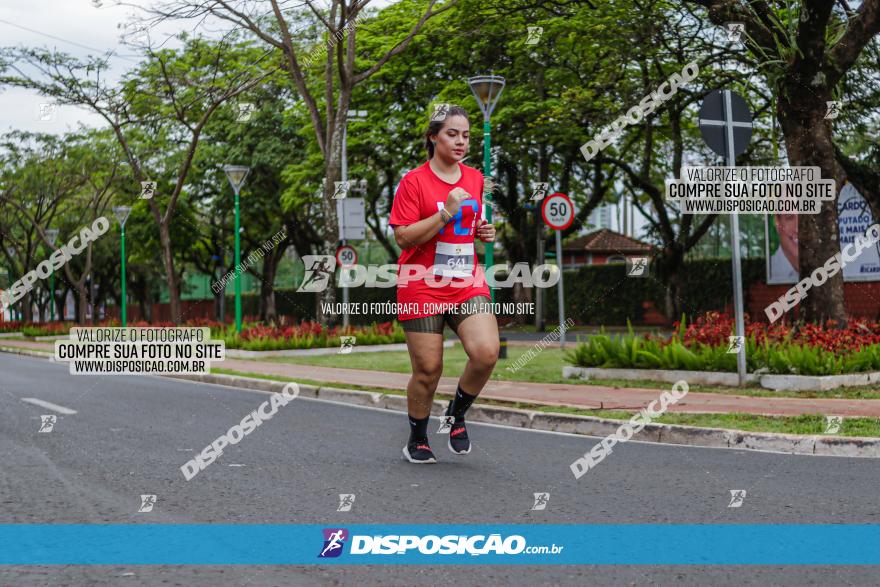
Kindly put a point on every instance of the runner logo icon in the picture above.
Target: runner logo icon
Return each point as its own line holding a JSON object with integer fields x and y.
{"x": 47, "y": 423}
{"x": 737, "y": 497}
{"x": 737, "y": 343}
{"x": 147, "y": 503}
{"x": 446, "y": 424}
{"x": 319, "y": 270}
{"x": 346, "y": 500}
{"x": 334, "y": 540}
{"x": 541, "y": 500}
{"x": 832, "y": 424}
{"x": 346, "y": 344}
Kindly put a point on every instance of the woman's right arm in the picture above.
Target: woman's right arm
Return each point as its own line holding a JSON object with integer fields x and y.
{"x": 425, "y": 229}
{"x": 420, "y": 232}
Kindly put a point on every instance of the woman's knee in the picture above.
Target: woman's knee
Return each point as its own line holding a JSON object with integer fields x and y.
{"x": 485, "y": 355}
{"x": 428, "y": 372}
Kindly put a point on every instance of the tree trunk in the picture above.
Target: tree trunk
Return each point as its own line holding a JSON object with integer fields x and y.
{"x": 42, "y": 308}
{"x": 62, "y": 303}
{"x": 82, "y": 302}
{"x": 59, "y": 304}
{"x": 521, "y": 295}
{"x": 808, "y": 142}
{"x": 268, "y": 312}
{"x": 27, "y": 312}
{"x": 219, "y": 306}
{"x": 138, "y": 290}
{"x": 170, "y": 274}
{"x": 330, "y": 233}
{"x": 670, "y": 265}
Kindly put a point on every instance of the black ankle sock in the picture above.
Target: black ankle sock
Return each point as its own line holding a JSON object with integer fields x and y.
{"x": 418, "y": 429}
{"x": 460, "y": 404}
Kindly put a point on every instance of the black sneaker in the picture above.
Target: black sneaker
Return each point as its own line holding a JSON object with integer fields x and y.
{"x": 459, "y": 443}
{"x": 458, "y": 436}
{"x": 419, "y": 452}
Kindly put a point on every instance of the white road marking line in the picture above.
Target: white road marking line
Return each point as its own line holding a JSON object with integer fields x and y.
{"x": 48, "y": 405}
{"x": 234, "y": 465}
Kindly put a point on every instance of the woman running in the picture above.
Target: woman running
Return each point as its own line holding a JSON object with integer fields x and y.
{"x": 437, "y": 212}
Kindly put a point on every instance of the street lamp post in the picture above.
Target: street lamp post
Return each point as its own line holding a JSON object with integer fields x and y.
{"x": 51, "y": 236}
{"x": 122, "y": 213}
{"x": 236, "y": 175}
{"x": 487, "y": 89}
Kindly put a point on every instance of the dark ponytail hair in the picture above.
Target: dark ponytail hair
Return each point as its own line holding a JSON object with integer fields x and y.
{"x": 435, "y": 126}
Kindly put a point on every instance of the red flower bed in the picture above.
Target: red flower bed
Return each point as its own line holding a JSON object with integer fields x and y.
{"x": 203, "y": 322}
{"x": 311, "y": 329}
{"x": 714, "y": 328}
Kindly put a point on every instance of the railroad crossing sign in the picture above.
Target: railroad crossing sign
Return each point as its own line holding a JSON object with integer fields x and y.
{"x": 557, "y": 211}
{"x": 722, "y": 114}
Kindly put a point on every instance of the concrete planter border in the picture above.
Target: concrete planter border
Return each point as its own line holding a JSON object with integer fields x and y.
{"x": 767, "y": 381}
{"x": 11, "y": 335}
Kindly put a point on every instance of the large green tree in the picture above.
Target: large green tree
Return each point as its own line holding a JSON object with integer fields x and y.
{"x": 805, "y": 50}
{"x": 325, "y": 73}
{"x": 157, "y": 112}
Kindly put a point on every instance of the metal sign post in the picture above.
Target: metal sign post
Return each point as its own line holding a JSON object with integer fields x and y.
{"x": 558, "y": 213}
{"x": 726, "y": 126}
{"x": 122, "y": 213}
{"x": 357, "y": 115}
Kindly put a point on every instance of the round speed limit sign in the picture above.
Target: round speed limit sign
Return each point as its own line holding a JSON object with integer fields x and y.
{"x": 346, "y": 257}
{"x": 558, "y": 211}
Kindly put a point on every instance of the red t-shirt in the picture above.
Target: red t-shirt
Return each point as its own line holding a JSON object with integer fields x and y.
{"x": 448, "y": 259}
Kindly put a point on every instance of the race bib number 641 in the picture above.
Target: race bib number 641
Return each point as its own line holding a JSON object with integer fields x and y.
{"x": 454, "y": 259}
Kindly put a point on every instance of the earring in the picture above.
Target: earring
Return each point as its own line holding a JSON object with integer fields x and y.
{"x": 433, "y": 142}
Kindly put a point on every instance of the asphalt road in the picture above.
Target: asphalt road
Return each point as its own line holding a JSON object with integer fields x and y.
{"x": 130, "y": 436}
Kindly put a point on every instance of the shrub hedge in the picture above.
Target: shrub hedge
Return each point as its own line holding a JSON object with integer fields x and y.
{"x": 594, "y": 294}
{"x": 604, "y": 295}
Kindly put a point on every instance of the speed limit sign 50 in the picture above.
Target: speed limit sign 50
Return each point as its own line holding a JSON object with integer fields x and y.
{"x": 346, "y": 257}
{"x": 557, "y": 211}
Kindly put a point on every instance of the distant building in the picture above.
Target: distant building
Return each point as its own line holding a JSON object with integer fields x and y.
{"x": 601, "y": 247}
{"x": 600, "y": 217}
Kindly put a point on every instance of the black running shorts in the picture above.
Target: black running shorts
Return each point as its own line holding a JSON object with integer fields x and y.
{"x": 434, "y": 324}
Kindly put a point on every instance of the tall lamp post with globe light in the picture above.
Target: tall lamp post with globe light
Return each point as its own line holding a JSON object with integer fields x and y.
{"x": 487, "y": 89}
{"x": 51, "y": 237}
{"x": 122, "y": 213}
{"x": 236, "y": 175}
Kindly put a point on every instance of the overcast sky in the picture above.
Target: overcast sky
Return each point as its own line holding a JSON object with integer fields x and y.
{"x": 74, "y": 21}
{"x": 72, "y": 26}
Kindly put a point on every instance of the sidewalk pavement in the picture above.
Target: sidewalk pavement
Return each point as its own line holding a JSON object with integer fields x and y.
{"x": 552, "y": 394}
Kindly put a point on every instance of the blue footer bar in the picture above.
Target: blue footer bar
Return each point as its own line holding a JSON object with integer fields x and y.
{"x": 259, "y": 544}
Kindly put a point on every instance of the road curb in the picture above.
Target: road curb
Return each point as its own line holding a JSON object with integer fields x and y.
{"x": 26, "y": 352}
{"x": 845, "y": 446}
